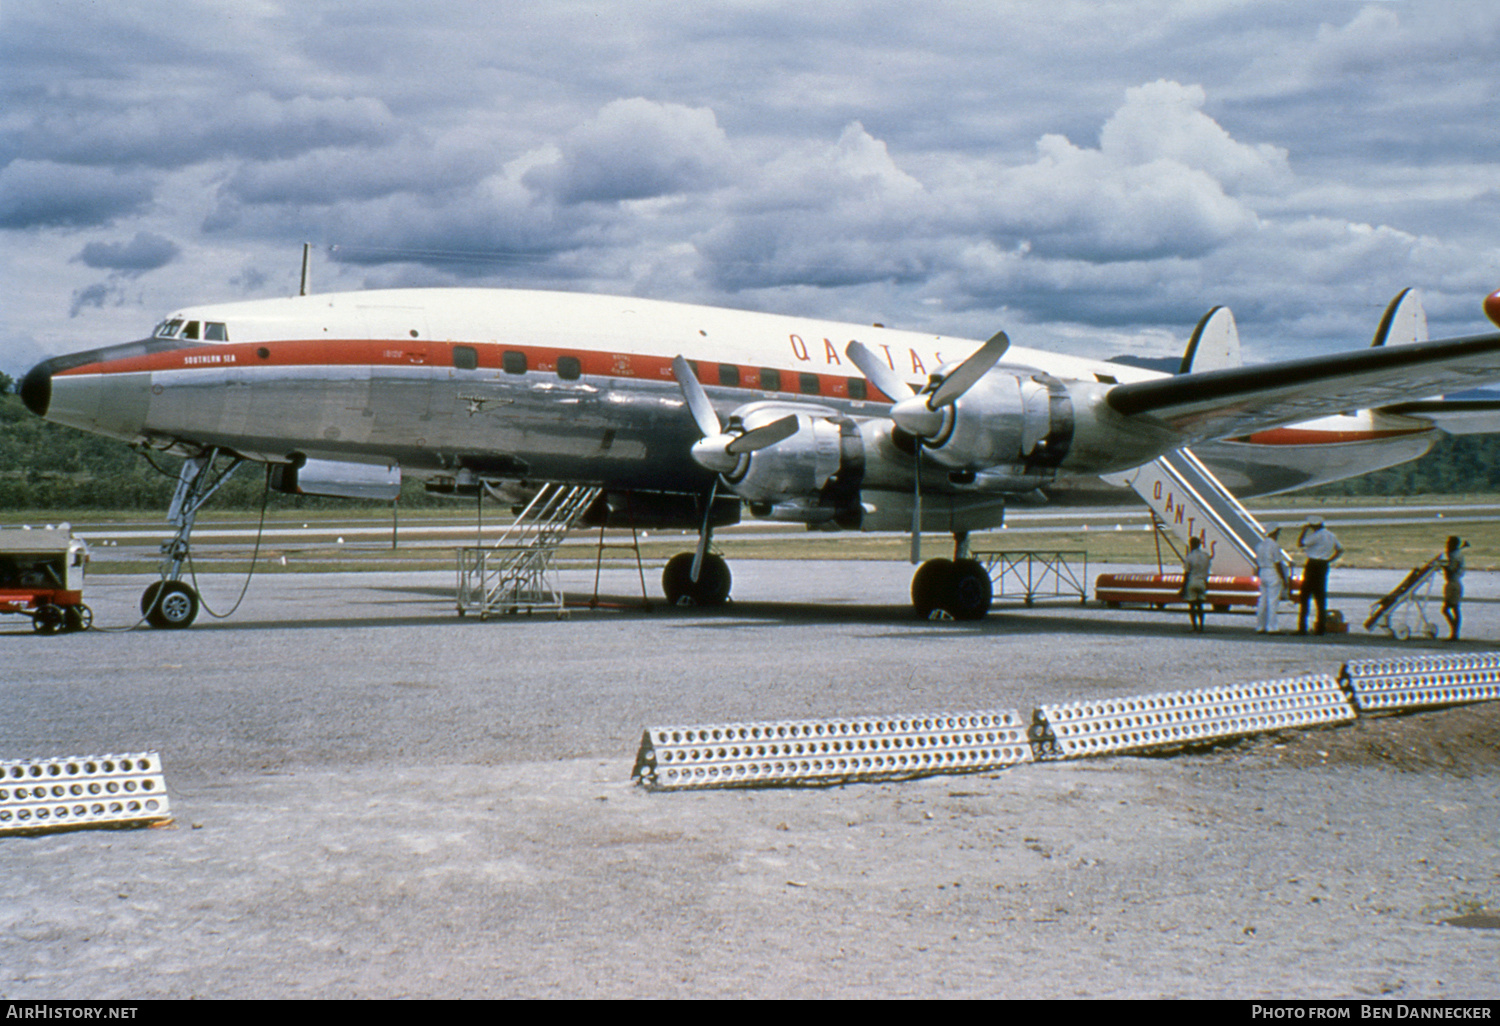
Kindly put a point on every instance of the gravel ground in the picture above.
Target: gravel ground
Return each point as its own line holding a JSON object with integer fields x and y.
{"x": 374, "y": 798}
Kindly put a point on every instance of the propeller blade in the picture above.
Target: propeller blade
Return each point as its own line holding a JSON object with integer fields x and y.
{"x": 965, "y": 375}
{"x": 697, "y": 399}
{"x": 764, "y": 436}
{"x": 877, "y": 371}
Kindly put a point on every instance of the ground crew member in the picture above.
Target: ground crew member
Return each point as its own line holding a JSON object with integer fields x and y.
{"x": 1321, "y": 548}
{"x": 1270, "y": 564}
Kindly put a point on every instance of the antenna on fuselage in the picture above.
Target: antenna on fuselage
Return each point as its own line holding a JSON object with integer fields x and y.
{"x": 306, "y": 268}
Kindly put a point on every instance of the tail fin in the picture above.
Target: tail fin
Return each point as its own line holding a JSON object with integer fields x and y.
{"x": 1215, "y": 344}
{"x": 1404, "y": 321}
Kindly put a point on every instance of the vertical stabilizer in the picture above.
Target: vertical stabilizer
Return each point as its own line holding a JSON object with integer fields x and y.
{"x": 1215, "y": 343}
{"x": 1404, "y": 321}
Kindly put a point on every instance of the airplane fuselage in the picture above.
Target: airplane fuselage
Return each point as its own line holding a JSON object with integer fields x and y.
{"x": 450, "y": 383}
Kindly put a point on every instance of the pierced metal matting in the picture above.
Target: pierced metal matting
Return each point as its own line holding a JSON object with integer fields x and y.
{"x": 42, "y": 795}
{"x": 1416, "y": 681}
{"x": 1176, "y": 718}
{"x": 829, "y": 751}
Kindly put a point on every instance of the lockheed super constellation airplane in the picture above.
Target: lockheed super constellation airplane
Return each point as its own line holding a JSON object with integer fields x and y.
{"x": 682, "y": 415}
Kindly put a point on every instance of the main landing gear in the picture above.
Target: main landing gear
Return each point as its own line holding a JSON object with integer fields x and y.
{"x": 959, "y": 588}
{"x": 698, "y": 578}
{"x": 171, "y": 603}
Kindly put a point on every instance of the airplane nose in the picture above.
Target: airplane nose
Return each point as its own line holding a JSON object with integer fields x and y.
{"x": 36, "y": 388}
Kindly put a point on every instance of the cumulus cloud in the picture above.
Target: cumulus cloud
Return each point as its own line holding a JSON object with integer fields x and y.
{"x": 95, "y": 295}
{"x": 1164, "y": 121}
{"x": 172, "y": 132}
{"x": 955, "y": 170}
{"x": 636, "y": 149}
{"x": 146, "y": 252}
{"x": 41, "y": 194}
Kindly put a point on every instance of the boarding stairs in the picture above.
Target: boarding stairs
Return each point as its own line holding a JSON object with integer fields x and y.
{"x": 518, "y": 572}
{"x": 1190, "y": 501}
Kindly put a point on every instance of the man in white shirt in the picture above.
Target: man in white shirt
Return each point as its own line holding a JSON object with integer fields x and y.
{"x": 1271, "y": 568}
{"x": 1321, "y": 548}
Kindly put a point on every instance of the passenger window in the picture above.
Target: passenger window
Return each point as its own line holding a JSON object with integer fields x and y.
{"x": 770, "y": 380}
{"x": 465, "y": 357}
{"x": 808, "y": 384}
{"x": 857, "y": 389}
{"x": 513, "y": 362}
{"x": 568, "y": 368}
{"x": 191, "y": 331}
{"x": 215, "y": 332}
{"x": 729, "y": 375}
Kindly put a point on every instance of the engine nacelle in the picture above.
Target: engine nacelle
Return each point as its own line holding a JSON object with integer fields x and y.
{"x": 811, "y": 476}
{"x": 1006, "y": 420}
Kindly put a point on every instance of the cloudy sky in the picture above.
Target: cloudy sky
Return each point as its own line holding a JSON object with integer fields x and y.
{"x": 1091, "y": 176}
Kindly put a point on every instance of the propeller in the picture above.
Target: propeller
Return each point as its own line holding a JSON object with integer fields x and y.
{"x": 920, "y": 414}
{"x": 720, "y": 450}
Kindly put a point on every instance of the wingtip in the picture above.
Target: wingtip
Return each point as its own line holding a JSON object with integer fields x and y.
{"x": 1492, "y": 307}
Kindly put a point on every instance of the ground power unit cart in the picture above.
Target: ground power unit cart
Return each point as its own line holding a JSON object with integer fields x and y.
{"x": 41, "y": 576}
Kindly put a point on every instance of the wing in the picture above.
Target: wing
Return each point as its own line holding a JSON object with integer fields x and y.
{"x": 1241, "y": 400}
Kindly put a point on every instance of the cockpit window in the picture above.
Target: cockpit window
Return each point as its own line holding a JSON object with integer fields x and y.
{"x": 168, "y": 329}
{"x": 191, "y": 331}
{"x": 215, "y": 332}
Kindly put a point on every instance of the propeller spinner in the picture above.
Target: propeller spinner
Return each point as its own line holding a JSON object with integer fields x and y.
{"x": 921, "y": 415}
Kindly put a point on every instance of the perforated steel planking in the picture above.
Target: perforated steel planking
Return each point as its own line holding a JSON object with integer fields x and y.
{"x": 1176, "y": 718}
{"x": 41, "y": 795}
{"x": 829, "y": 751}
{"x": 1414, "y": 681}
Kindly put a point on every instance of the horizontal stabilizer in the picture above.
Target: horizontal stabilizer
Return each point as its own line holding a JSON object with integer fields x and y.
{"x": 1453, "y": 416}
{"x": 1243, "y": 400}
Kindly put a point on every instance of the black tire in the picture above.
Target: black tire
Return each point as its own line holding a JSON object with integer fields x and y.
{"x": 709, "y": 590}
{"x": 169, "y": 605}
{"x": 48, "y": 619}
{"x": 929, "y": 586}
{"x": 78, "y": 618}
{"x": 970, "y": 591}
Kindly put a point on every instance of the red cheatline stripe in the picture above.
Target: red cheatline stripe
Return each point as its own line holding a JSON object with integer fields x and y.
{"x": 490, "y": 356}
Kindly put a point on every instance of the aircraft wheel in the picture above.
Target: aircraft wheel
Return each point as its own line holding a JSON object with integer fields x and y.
{"x": 929, "y": 586}
{"x": 970, "y": 591}
{"x": 709, "y": 590}
{"x": 169, "y": 605}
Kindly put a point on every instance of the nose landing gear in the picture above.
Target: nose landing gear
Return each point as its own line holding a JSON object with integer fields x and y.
{"x": 171, "y": 603}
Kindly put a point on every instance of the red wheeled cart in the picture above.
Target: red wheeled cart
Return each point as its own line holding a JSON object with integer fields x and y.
{"x": 41, "y": 576}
